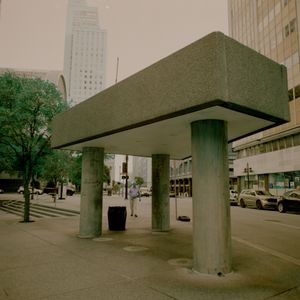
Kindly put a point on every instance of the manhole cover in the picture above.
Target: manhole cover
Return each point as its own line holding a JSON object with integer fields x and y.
{"x": 135, "y": 248}
{"x": 102, "y": 239}
{"x": 183, "y": 262}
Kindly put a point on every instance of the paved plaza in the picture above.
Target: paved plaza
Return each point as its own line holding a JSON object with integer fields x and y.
{"x": 45, "y": 259}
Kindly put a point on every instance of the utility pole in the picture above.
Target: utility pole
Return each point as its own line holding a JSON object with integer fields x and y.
{"x": 126, "y": 178}
{"x": 126, "y": 158}
{"x": 117, "y": 71}
{"x": 248, "y": 170}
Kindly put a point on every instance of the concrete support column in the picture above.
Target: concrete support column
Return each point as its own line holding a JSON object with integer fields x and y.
{"x": 91, "y": 192}
{"x": 211, "y": 207}
{"x": 160, "y": 192}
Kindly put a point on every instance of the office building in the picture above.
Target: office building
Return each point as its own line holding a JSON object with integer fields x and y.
{"x": 270, "y": 159}
{"x": 85, "y": 52}
{"x": 142, "y": 167}
{"x": 53, "y": 76}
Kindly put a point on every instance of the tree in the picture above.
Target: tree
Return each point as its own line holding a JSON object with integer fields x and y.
{"x": 27, "y": 106}
{"x": 139, "y": 180}
{"x": 56, "y": 166}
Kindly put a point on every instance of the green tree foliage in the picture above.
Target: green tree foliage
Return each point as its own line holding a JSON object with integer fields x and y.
{"x": 27, "y": 106}
{"x": 75, "y": 170}
{"x": 56, "y": 166}
{"x": 139, "y": 181}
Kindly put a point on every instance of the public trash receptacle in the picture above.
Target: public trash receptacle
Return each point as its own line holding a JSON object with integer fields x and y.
{"x": 117, "y": 217}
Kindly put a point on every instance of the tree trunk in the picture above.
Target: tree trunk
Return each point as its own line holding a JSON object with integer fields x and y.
{"x": 26, "y": 183}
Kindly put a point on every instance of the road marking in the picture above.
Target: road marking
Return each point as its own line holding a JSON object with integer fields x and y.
{"x": 269, "y": 251}
{"x": 282, "y": 224}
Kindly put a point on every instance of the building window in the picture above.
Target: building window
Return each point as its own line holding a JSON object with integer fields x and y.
{"x": 293, "y": 25}
{"x": 286, "y": 30}
{"x": 297, "y": 140}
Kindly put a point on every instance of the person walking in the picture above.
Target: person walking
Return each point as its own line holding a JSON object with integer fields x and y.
{"x": 134, "y": 194}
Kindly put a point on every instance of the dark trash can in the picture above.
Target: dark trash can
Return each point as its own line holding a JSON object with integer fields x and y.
{"x": 117, "y": 217}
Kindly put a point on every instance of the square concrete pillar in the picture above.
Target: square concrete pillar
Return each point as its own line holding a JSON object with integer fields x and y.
{"x": 211, "y": 206}
{"x": 91, "y": 192}
{"x": 160, "y": 192}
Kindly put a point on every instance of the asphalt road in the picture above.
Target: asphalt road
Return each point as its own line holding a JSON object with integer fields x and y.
{"x": 270, "y": 231}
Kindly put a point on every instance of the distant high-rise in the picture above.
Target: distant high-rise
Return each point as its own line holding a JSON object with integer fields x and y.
{"x": 85, "y": 52}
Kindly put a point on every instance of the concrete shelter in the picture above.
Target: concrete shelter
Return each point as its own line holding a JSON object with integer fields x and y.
{"x": 192, "y": 102}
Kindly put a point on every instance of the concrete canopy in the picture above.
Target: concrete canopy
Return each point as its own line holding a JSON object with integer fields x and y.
{"x": 150, "y": 112}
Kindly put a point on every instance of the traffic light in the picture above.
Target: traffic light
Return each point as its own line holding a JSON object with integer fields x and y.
{"x": 124, "y": 168}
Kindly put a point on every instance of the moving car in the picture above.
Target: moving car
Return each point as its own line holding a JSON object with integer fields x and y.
{"x": 257, "y": 198}
{"x": 233, "y": 197}
{"x": 35, "y": 191}
{"x": 289, "y": 201}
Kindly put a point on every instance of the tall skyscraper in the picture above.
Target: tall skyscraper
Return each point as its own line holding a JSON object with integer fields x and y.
{"x": 270, "y": 159}
{"x": 85, "y": 52}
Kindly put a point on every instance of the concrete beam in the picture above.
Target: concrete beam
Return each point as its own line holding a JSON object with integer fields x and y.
{"x": 215, "y": 77}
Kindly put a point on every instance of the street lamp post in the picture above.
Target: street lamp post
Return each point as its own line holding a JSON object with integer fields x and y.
{"x": 248, "y": 170}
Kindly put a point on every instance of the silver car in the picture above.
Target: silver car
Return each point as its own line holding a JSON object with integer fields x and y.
{"x": 257, "y": 198}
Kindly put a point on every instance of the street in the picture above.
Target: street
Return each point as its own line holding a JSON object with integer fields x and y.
{"x": 270, "y": 231}
{"x": 274, "y": 233}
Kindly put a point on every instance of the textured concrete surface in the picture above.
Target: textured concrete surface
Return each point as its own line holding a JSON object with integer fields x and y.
{"x": 46, "y": 260}
{"x": 212, "y": 78}
{"x": 211, "y": 214}
{"x": 91, "y": 192}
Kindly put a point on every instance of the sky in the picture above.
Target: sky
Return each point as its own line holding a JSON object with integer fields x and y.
{"x": 139, "y": 32}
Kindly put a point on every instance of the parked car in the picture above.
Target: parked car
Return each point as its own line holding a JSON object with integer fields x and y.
{"x": 35, "y": 191}
{"x": 71, "y": 190}
{"x": 1, "y": 191}
{"x": 233, "y": 197}
{"x": 145, "y": 192}
{"x": 289, "y": 201}
{"x": 257, "y": 198}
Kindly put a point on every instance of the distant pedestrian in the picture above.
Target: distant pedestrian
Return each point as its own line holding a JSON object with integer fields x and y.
{"x": 134, "y": 194}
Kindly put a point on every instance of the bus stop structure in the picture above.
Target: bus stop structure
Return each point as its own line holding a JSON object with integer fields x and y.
{"x": 192, "y": 102}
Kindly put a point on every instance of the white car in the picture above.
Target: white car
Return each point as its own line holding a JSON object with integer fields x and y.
{"x": 35, "y": 191}
{"x": 145, "y": 192}
{"x": 257, "y": 198}
{"x": 233, "y": 197}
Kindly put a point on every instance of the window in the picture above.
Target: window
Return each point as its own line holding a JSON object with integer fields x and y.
{"x": 286, "y": 30}
{"x": 293, "y": 25}
{"x": 274, "y": 145}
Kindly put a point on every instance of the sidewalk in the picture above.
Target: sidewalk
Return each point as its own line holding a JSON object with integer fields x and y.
{"x": 46, "y": 260}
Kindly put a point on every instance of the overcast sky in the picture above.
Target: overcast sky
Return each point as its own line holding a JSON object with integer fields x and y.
{"x": 139, "y": 32}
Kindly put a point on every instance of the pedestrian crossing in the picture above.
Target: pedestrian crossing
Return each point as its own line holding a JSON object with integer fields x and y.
{"x": 36, "y": 210}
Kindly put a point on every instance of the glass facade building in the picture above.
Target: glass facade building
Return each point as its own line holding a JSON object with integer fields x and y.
{"x": 270, "y": 159}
